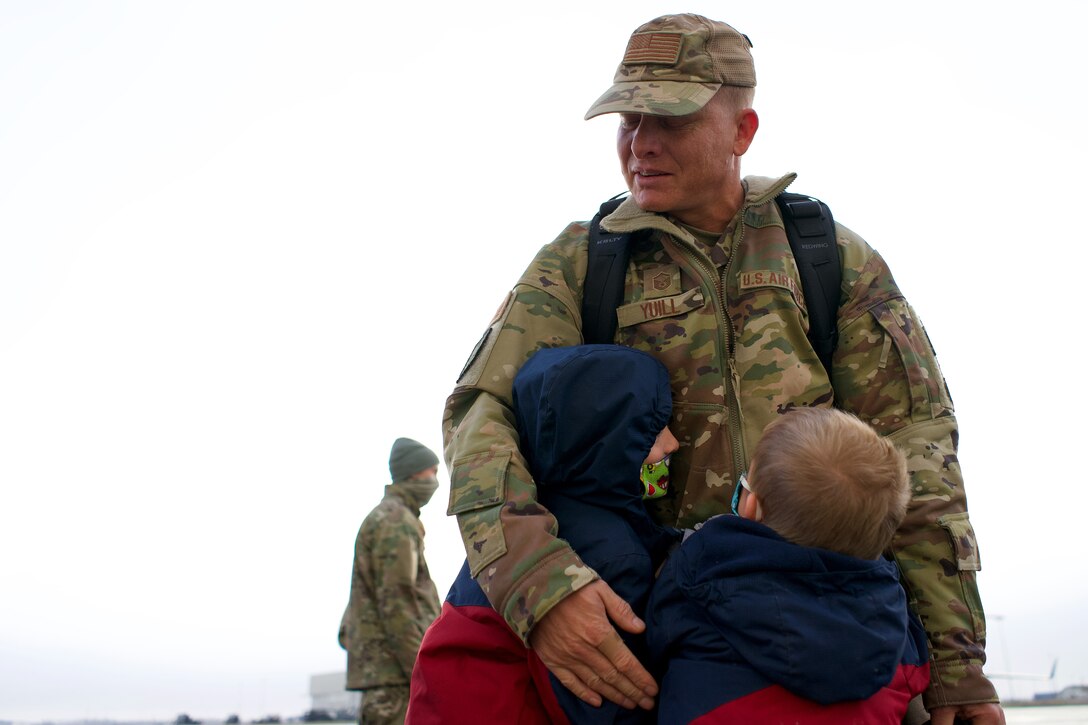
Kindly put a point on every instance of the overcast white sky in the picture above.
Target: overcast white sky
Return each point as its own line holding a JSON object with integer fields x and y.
{"x": 245, "y": 245}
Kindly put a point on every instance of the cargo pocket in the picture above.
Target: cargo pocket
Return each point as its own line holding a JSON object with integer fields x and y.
{"x": 964, "y": 547}
{"x": 477, "y": 494}
{"x": 905, "y": 336}
{"x": 965, "y": 550}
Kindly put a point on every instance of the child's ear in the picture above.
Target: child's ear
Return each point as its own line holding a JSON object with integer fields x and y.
{"x": 750, "y": 508}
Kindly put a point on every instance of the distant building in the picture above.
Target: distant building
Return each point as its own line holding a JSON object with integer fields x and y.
{"x": 1073, "y": 693}
{"x": 327, "y": 693}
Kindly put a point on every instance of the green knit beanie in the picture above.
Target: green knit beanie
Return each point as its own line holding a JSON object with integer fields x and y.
{"x": 409, "y": 457}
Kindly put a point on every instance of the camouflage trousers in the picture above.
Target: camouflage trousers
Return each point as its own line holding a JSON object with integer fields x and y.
{"x": 384, "y": 705}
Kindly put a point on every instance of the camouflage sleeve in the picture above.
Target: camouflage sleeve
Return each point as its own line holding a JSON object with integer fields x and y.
{"x": 886, "y": 372}
{"x": 510, "y": 539}
{"x": 404, "y": 617}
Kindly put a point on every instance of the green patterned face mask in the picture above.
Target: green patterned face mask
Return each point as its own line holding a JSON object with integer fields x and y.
{"x": 655, "y": 478}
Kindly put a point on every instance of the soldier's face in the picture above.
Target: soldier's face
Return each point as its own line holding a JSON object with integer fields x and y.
{"x": 683, "y": 165}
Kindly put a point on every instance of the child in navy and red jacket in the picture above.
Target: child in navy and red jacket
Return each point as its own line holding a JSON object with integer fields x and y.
{"x": 788, "y": 612}
{"x": 592, "y": 422}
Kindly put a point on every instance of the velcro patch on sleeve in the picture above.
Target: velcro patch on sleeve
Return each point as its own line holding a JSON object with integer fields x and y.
{"x": 470, "y": 373}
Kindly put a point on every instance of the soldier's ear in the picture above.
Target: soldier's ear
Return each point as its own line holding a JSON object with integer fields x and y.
{"x": 747, "y": 124}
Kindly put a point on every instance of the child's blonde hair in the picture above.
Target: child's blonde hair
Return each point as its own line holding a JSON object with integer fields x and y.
{"x": 826, "y": 479}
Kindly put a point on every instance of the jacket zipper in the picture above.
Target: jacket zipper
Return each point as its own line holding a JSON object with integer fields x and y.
{"x": 734, "y": 388}
{"x": 730, "y": 378}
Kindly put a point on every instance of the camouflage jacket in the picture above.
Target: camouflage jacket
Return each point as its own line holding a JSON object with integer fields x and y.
{"x": 393, "y": 599}
{"x": 730, "y": 325}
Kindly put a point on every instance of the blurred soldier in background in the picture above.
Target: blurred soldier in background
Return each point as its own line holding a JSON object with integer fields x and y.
{"x": 393, "y": 599}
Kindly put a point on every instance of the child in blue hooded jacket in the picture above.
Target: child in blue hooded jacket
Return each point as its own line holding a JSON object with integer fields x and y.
{"x": 788, "y": 612}
{"x": 591, "y": 419}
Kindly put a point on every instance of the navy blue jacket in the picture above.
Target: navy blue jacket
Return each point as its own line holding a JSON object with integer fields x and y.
{"x": 745, "y": 626}
{"x": 587, "y": 417}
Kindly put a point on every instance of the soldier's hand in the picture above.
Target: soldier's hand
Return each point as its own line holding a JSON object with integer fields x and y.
{"x": 984, "y": 713}
{"x": 577, "y": 642}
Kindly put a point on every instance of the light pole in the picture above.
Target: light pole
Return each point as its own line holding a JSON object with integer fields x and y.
{"x": 1005, "y": 653}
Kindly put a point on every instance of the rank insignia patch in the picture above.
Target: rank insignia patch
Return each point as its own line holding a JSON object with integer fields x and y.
{"x": 661, "y": 281}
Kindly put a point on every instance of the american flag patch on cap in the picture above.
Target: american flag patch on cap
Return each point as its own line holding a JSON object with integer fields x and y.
{"x": 663, "y": 48}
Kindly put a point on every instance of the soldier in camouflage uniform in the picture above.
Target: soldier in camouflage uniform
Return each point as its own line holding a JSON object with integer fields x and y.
{"x": 712, "y": 290}
{"x": 393, "y": 599}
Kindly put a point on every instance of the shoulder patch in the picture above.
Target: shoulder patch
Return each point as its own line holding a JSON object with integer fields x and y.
{"x": 470, "y": 373}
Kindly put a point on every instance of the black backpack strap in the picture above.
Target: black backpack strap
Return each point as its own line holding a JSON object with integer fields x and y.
{"x": 602, "y": 292}
{"x": 811, "y": 231}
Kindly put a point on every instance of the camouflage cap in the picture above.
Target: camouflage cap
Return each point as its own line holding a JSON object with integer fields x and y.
{"x": 674, "y": 64}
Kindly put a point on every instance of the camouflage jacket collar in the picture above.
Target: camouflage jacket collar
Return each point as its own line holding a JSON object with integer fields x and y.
{"x": 629, "y": 217}
{"x": 402, "y": 494}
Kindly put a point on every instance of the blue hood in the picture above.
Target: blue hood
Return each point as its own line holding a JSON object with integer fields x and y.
{"x": 587, "y": 417}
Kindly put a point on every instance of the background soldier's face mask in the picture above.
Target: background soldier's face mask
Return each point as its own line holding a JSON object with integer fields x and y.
{"x": 421, "y": 489}
{"x": 655, "y": 478}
